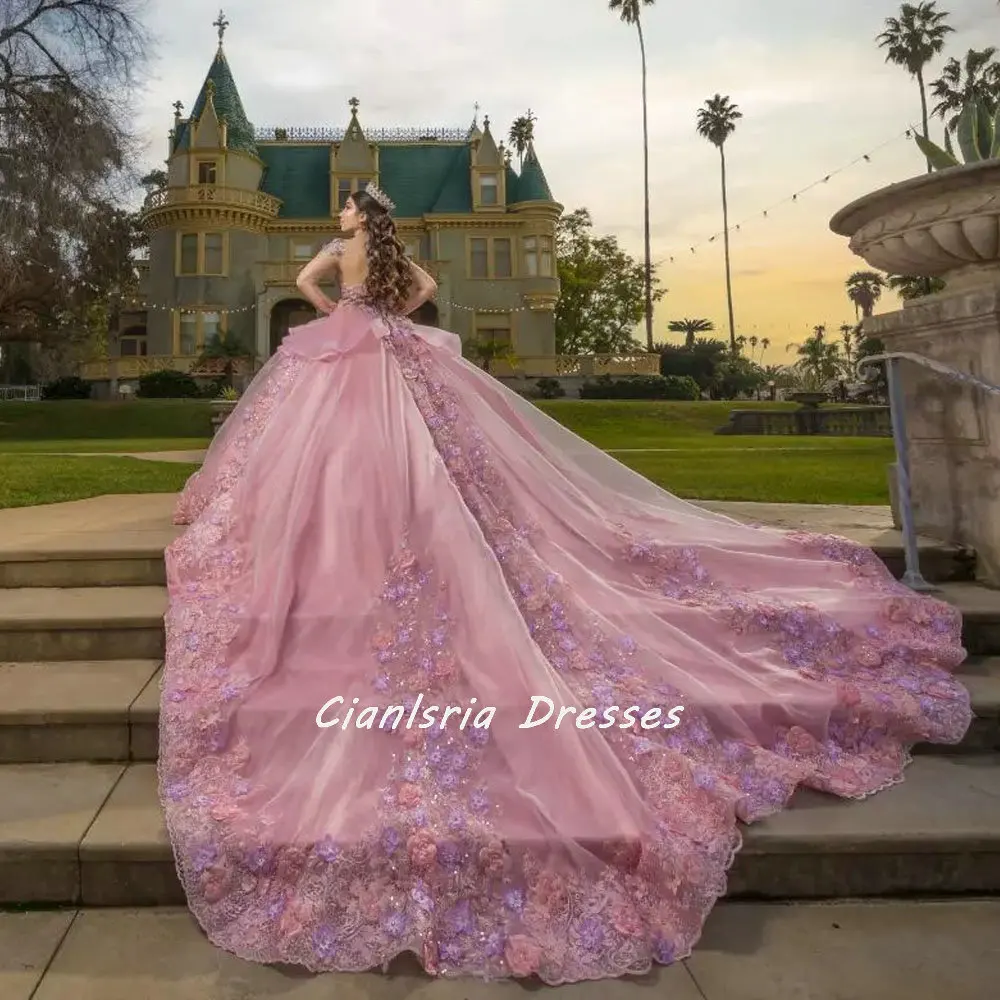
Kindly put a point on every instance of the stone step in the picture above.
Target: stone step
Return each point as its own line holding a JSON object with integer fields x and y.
{"x": 81, "y": 623}
{"x": 884, "y": 949}
{"x": 980, "y": 607}
{"x": 136, "y": 560}
{"x": 113, "y": 541}
{"x": 84, "y": 567}
{"x": 93, "y": 835}
{"x": 104, "y": 710}
{"x": 108, "y": 710}
{"x": 126, "y": 623}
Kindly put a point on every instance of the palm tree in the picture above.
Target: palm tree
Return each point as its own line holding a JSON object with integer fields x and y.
{"x": 847, "y": 339}
{"x": 864, "y": 289}
{"x": 522, "y": 134}
{"x": 630, "y": 12}
{"x": 912, "y": 286}
{"x": 912, "y": 40}
{"x": 716, "y": 123}
{"x": 819, "y": 360}
{"x": 960, "y": 83}
{"x": 690, "y": 328}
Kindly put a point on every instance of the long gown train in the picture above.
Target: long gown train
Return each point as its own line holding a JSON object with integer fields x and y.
{"x": 381, "y": 522}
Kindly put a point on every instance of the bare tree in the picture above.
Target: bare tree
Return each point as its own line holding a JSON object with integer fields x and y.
{"x": 66, "y": 68}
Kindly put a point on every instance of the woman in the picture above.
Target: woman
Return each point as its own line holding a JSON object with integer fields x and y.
{"x": 378, "y": 524}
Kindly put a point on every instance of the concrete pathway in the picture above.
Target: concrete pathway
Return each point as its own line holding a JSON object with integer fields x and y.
{"x": 851, "y": 951}
{"x": 142, "y": 521}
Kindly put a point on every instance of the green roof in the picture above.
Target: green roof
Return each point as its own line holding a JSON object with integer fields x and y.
{"x": 532, "y": 185}
{"x": 421, "y": 178}
{"x": 512, "y": 184}
{"x": 228, "y": 106}
{"x": 300, "y": 177}
{"x": 426, "y": 178}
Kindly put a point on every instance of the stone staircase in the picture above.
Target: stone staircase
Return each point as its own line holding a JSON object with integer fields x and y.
{"x": 81, "y": 641}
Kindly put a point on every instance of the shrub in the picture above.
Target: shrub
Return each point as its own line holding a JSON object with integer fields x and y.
{"x": 167, "y": 385}
{"x": 549, "y": 388}
{"x": 67, "y": 387}
{"x": 680, "y": 387}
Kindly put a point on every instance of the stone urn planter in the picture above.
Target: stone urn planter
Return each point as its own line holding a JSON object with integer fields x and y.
{"x": 221, "y": 408}
{"x": 946, "y": 225}
{"x": 809, "y": 399}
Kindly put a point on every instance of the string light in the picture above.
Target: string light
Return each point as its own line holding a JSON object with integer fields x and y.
{"x": 791, "y": 198}
{"x": 139, "y": 305}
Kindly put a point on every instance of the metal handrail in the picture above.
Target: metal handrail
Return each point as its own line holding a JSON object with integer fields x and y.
{"x": 912, "y": 577}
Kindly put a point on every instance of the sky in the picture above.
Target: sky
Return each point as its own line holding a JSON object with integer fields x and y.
{"x": 811, "y": 82}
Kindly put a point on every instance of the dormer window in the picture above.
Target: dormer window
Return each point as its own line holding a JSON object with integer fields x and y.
{"x": 346, "y": 186}
{"x": 206, "y": 172}
{"x": 489, "y": 190}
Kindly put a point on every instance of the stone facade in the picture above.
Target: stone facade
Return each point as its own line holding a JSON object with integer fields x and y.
{"x": 245, "y": 208}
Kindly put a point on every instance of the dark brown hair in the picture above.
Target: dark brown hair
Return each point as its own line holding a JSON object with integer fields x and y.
{"x": 389, "y": 278}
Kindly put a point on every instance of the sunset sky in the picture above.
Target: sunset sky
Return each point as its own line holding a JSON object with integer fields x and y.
{"x": 811, "y": 82}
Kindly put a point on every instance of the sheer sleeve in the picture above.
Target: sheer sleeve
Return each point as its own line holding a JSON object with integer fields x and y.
{"x": 335, "y": 248}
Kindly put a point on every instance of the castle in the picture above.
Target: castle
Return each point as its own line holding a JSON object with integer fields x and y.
{"x": 245, "y": 208}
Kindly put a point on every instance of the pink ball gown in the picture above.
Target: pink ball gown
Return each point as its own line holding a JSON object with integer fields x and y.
{"x": 380, "y": 521}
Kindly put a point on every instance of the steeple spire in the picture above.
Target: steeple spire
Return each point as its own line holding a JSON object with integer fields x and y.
{"x": 220, "y": 90}
{"x": 532, "y": 185}
{"x": 221, "y": 24}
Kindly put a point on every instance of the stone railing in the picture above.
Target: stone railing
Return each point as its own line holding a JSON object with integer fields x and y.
{"x": 578, "y": 365}
{"x": 171, "y": 197}
{"x": 21, "y": 393}
{"x": 282, "y": 272}
{"x": 835, "y": 421}
{"x": 107, "y": 369}
{"x": 532, "y": 367}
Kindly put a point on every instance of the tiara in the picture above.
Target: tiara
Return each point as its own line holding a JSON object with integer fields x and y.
{"x": 380, "y": 196}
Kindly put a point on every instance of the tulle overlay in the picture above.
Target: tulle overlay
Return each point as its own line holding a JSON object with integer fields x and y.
{"x": 380, "y": 520}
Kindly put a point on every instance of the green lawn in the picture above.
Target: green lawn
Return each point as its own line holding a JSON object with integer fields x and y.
{"x": 26, "y": 480}
{"x": 104, "y": 445}
{"x": 809, "y": 475}
{"x": 690, "y": 460}
{"x": 84, "y": 419}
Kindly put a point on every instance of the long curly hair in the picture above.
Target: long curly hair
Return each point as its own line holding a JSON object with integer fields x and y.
{"x": 388, "y": 281}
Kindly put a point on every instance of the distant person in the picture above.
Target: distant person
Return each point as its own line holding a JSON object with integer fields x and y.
{"x": 382, "y": 536}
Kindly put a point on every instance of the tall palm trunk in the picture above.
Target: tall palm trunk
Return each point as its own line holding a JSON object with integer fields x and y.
{"x": 926, "y": 125}
{"x": 645, "y": 192}
{"x": 725, "y": 237}
{"x": 924, "y": 118}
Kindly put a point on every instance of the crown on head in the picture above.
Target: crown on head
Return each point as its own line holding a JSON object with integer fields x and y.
{"x": 380, "y": 196}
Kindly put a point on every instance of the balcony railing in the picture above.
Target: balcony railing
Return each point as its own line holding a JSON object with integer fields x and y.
{"x": 212, "y": 194}
{"x": 579, "y": 365}
{"x": 133, "y": 367}
{"x": 282, "y": 272}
